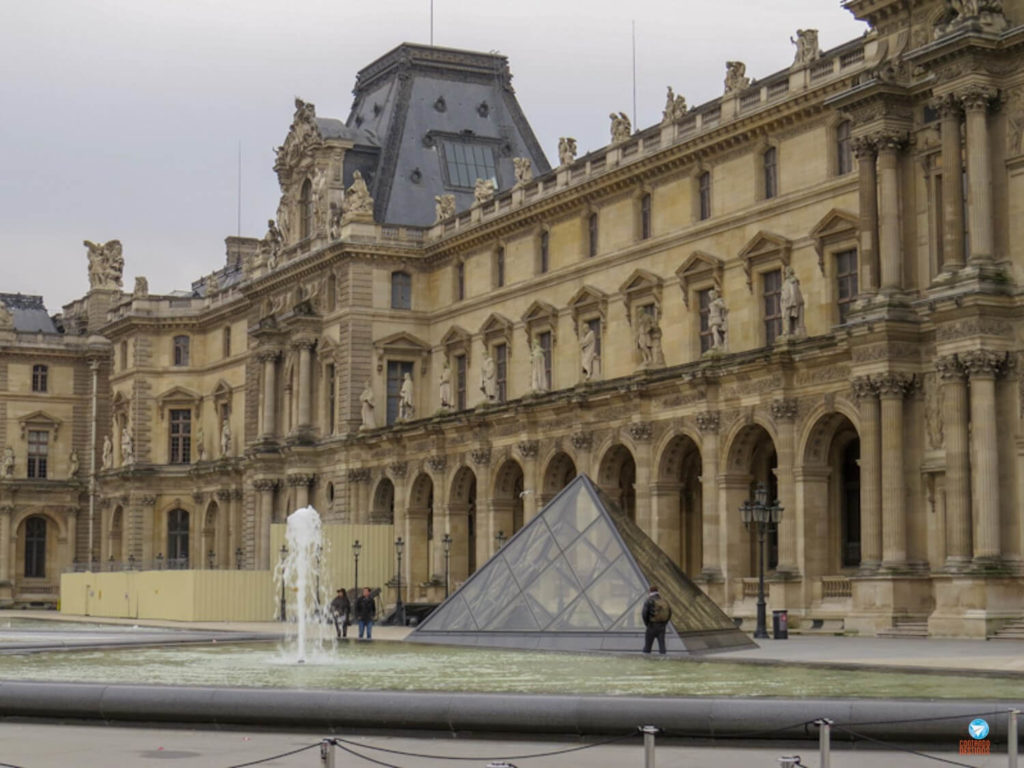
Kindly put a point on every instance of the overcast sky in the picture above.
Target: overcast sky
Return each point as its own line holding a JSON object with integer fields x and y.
{"x": 123, "y": 118}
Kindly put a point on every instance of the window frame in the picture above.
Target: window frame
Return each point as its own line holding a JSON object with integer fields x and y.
{"x": 181, "y": 349}
{"x": 445, "y": 141}
{"x": 844, "y": 147}
{"x": 178, "y": 538}
{"x": 38, "y": 453}
{"x": 545, "y": 252}
{"x": 646, "y": 211}
{"x": 35, "y": 547}
{"x": 401, "y": 290}
{"x": 704, "y": 207}
{"x": 771, "y": 305}
{"x": 461, "y": 374}
{"x": 546, "y": 339}
{"x": 705, "y": 342}
{"x": 393, "y": 395}
{"x": 770, "y": 173}
{"x": 179, "y": 433}
{"x": 593, "y": 233}
{"x": 225, "y": 342}
{"x": 844, "y": 305}
{"x": 499, "y": 352}
{"x": 40, "y": 378}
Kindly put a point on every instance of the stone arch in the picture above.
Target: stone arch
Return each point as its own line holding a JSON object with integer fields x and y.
{"x": 115, "y": 536}
{"x": 419, "y": 529}
{"x": 212, "y": 521}
{"x": 751, "y": 459}
{"x": 559, "y": 470}
{"x": 462, "y": 522}
{"x": 178, "y": 535}
{"x": 679, "y": 501}
{"x": 38, "y": 535}
{"x": 383, "y": 508}
{"x": 616, "y": 476}
{"x": 508, "y": 486}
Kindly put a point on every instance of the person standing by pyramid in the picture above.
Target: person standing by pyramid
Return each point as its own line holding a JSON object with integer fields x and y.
{"x": 656, "y": 614}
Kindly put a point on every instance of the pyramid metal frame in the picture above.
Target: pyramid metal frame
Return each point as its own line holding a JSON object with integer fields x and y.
{"x": 575, "y": 578}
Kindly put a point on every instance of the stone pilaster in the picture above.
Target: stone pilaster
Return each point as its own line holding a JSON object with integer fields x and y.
{"x": 305, "y": 393}
{"x": 958, "y": 463}
{"x": 301, "y": 482}
{"x": 268, "y": 425}
{"x": 641, "y": 432}
{"x": 893, "y": 388}
{"x": 977, "y": 102}
{"x": 711, "y": 569}
{"x": 264, "y": 515}
{"x": 784, "y": 412}
{"x": 952, "y": 184}
{"x": 866, "y": 154}
{"x": 870, "y": 474}
{"x": 889, "y": 240}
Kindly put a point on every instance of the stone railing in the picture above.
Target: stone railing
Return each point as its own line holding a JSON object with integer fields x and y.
{"x": 750, "y": 587}
{"x": 833, "y": 587}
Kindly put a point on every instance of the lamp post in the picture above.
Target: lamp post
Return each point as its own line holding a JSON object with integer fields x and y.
{"x": 284, "y": 554}
{"x": 238, "y": 559}
{"x": 763, "y": 518}
{"x": 446, "y": 540}
{"x": 399, "y": 607}
{"x": 355, "y": 555}
{"x": 501, "y": 538}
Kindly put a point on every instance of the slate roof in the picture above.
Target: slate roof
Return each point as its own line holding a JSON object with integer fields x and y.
{"x": 29, "y": 313}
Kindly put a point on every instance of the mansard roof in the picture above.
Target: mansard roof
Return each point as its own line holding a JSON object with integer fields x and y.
{"x": 28, "y": 312}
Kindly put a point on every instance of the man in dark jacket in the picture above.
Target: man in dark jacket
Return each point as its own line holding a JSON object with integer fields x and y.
{"x": 365, "y": 612}
{"x": 656, "y": 614}
{"x": 340, "y": 609}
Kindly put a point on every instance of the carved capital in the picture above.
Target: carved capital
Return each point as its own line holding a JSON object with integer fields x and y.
{"x": 197, "y": 497}
{"x": 985, "y": 363}
{"x": 890, "y": 141}
{"x": 264, "y": 484}
{"x": 236, "y": 494}
{"x": 784, "y": 410}
{"x": 894, "y": 384}
{"x": 398, "y": 469}
{"x": 950, "y": 368}
{"x": 948, "y": 106}
{"x": 528, "y": 448}
{"x": 224, "y": 494}
{"x": 301, "y": 478}
{"x": 437, "y": 463}
{"x": 581, "y": 441}
{"x": 708, "y": 421}
{"x": 303, "y": 343}
{"x": 978, "y": 98}
{"x": 481, "y": 456}
{"x": 864, "y": 148}
{"x": 640, "y": 430}
{"x": 863, "y": 387}
{"x": 147, "y": 500}
{"x": 268, "y": 355}
{"x": 361, "y": 475}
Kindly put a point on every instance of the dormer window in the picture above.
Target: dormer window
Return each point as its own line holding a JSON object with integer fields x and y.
{"x": 464, "y": 160}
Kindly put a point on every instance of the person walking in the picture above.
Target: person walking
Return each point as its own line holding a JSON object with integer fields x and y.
{"x": 656, "y": 615}
{"x": 340, "y": 610}
{"x": 365, "y": 612}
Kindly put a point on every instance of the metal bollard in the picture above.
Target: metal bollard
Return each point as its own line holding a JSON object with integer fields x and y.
{"x": 792, "y": 761}
{"x": 1011, "y": 738}
{"x": 649, "y": 732}
{"x": 500, "y": 764}
{"x": 824, "y": 742}
{"x": 326, "y": 753}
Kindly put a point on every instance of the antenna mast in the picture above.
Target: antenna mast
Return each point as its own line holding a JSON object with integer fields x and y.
{"x": 431, "y": 23}
{"x": 239, "y": 220}
{"x": 634, "y": 76}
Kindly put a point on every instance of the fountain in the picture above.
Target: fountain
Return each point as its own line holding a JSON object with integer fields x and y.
{"x": 297, "y": 574}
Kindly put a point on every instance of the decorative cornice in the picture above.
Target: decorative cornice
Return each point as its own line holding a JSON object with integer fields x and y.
{"x": 301, "y": 478}
{"x": 361, "y": 475}
{"x": 148, "y": 500}
{"x": 265, "y": 484}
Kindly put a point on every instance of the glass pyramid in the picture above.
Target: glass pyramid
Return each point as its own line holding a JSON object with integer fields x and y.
{"x": 575, "y": 578}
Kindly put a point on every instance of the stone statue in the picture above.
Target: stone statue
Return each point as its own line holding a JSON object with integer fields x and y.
{"x": 282, "y": 220}
{"x": 483, "y": 192}
{"x": 225, "y": 439}
{"x": 792, "y": 301}
{"x": 127, "y": 447}
{"x": 566, "y": 150}
{"x": 269, "y": 248}
{"x": 334, "y": 228}
{"x": 73, "y": 464}
{"x": 446, "y": 385}
{"x": 367, "y": 405}
{"x": 489, "y": 378}
{"x": 524, "y": 169}
{"x": 644, "y": 337}
{"x": 105, "y": 264}
{"x": 589, "y": 360}
{"x": 405, "y": 399}
{"x": 357, "y": 197}
{"x": 444, "y": 207}
{"x": 985, "y": 15}
{"x": 320, "y": 206}
{"x": 717, "y": 313}
{"x": 622, "y": 129}
{"x": 6, "y": 319}
{"x": 141, "y": 288}
{"x": 806, "y": 43}
{"x": 108, "y": 452}
{"x": 735, "y": 76}
{"x": 675, "y": 108}
{"x": 201, "y": 443}
{"x": 7, "y": 468}
{"x": 538, "y": 368}
{"x": 212, "y": 284}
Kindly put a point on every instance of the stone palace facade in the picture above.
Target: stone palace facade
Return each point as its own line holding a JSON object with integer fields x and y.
{"x": 811, "y": 282}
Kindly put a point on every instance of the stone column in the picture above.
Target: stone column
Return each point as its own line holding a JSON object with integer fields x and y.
{"x": 666, "y": 521}
{"x": 784, "y": 413}
{"x": 305, "y": 393}
{"x": 976, "y": 103}
{"x": 6, "y": 512}
{"x": 641, "y": 432}
{"x": 486, "y": 530}
{"x": 870, "y": 474}
{"x": 435, "y": 466}
{"x": 532, "y": 481}
{"x": 300, "y": 483}
{"x": 866, "y": 153}
{"x": 150, "y": 536}
{"x": 264, "y": 515}
{"x": 711, "y": 568}
{"x": 889, "y": 240}
{"x": 958, "y": 463}
{"x": 269, "y": 359}
{"x": 225, "y": 553}
{"x": 984, "y": 367}
{"x": 952, "y": 184}
{"x": 892, "y": 389}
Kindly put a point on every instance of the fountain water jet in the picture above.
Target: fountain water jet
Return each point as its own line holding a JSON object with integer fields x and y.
{"x": 296, "y": 574}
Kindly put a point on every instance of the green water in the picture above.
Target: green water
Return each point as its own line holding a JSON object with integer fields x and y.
{"x": 399, "y": 666}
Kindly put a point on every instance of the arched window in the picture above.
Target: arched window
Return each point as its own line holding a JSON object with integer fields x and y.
{"x": 181, "y": 350}
{"x": 592, "y": 235}
{"x": 401, "y": 290}
{"x": 35, "y": 548}
{"x": 771, "y": 173}
{"x": 645, "y": 217}
{"x": 704, "y": 194}
{"x": 306, "y": 210}
{"x": 545, "y": 255}
{"x": 226, "y": 341}
{"x": 177, "y": 539}
{"x": 844, "y": 148}
{"x": 39, "y": 376}
{"x": 460, "y": 281}
{"x": 499, "y": 267}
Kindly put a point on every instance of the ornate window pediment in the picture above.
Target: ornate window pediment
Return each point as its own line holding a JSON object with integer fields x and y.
{"x": 699, "y": 268}
{"x": 836, "y": 226}
{"x": 541, "y": 315}
{"x": 641, "y": 288}
{"x": 402, "y": 345}
{"x": 588, "y": 301}
{"x": 764, "y": 248}
{"x": 497, "y": 329}
{"x": 39, "y": 420}
{"x": 457, "y": 341}
{"x": 177, "y": 397}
